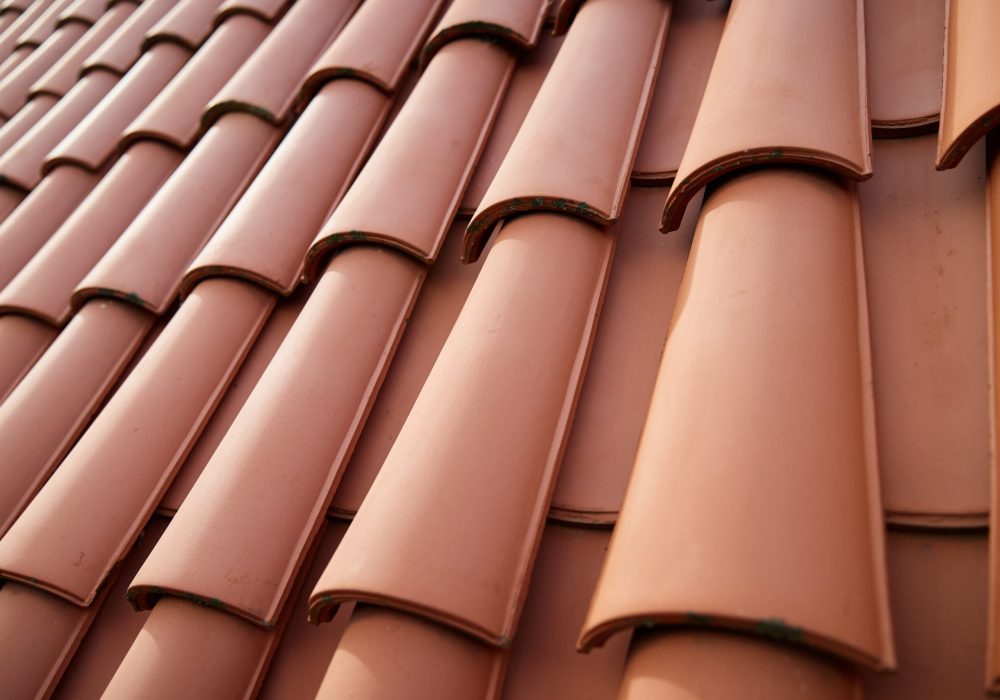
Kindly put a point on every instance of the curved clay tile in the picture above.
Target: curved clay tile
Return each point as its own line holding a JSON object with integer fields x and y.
{"x": 146, "y": 264}
{"x": 92, "y": 143}
{"x": 517, "y": 22}
{"x": 267, "y": 10}
{"x": 377, "y": 45}
{"x": 937, "y": 585}
{"x": 927, "y": 296}
{"x": 42, "y": 212}
{"x": 63, "y": 74}
{"x": 970, "y": 101}
{"x": 687, "y": 664}
{"x": 441, "y": 298}
{"x": 269, "y": 82}
{"x": 51, "y": 407}
{"x": 46, "y": 23}
{"x": 188, "y": 24}
{"x": 574, "y": 153}
{"x": 563, "y": 12}
{"x": 425, "y": 159}
{"x": 19, "y": 56}
{"x": 22, "y": 341}
{"x": 804, "y": 100}
{"x": 386, "y": 655}
{"x": 993, "y": 206}
{"x": 123, "y": 48}
{"x": 14, "y": 86}
{"x": 543, "y": 660}
{"x": 92, "y": 508}
{"x": 26, "y": 117}
{"x": 266, "y": 237}
{"x": 285, "y": 450}
{"x": 21, "y": 164}
{"x": 9, "y": 37}
{"x": 530, "y": 71}
{"x": 758, "y": 462}
{"x": 475, "y": 461}
{"x": 692, "y": 40}
{"x": 17, "y": 6}
{"x": 174, "y": 116}
{"x": 611, "y": 412}
{"x": 904, "y": 64}
{"x": 45, "y": 284}
{"x": 84, "y": 11}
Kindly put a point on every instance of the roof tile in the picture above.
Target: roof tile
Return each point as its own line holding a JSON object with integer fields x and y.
{"x": 15, "y": 84}
{"x": 85, "y": 11}
{"x": 22, "y": 341}
{"x": 123, "y": 48}
{"x": 26, "y": 117}
{"x": 993, "y": 206}
{"x": 517, "y": 22}
{"x": 267, "y": 10}
{"x": 9, "y": 37}
{"x": 804, "y": 100}
{"x": 44, "y": 25}
{"x": 189, "y": 23}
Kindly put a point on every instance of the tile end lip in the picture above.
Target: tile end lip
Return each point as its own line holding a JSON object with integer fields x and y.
{"x": 905, "y": 127}
{"x": 565, "y": 514}
{"x": 152, "y": 40}
{"x": 937, "y": 522}
{"x": 476, "y": 29}
{"x": 329, "y": 242}
{"x": 50, "y": 587}
{"x": 82, "y": 295}
{"x": 318, "y": 79}
{"x": 194, "y": 276}
{"x": 145, "y": 597}
{"x": 950, "y": 153}
{"x": 134, "y": 136}
{"x": 219, "y": 108}
{"x": 15, "y": 308}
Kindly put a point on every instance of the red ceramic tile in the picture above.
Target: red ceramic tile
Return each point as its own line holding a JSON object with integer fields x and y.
{"x": 266, "y": 237}
{"x": 146, "y": 264}
{"x": 970, "y": 100}
{"x": 543, "y": 660}
{"x": 84, "y": 11}
{"x": 993, "y": 232}
{"x": 271, "y": 79}
{"x": 692, "y": 40}
{"x": 188, "y": 24}
{"x": 45, "y": 284}
{"x": 26, "y": 117}
{"x": 475, "y": 462}
{"x": 386, "y": 655}
{"x": 92, "y": 143}
{"x": 16, "y": 58}
{"x": 123, "y": 48}
{"x": 590, "y": 178}
{"x": 45, "y": 24}
{"x": 22, "y": 341}
{"x": 42, "y": 212}
{"x": 563, "y": 12}
{"x": 803, "y": 100}
{"x": 61, "y": 77}
{"x": 174, "y": 116}
{"x": 518, "y": 23}
{"x": 690, "y": 665}
{"x": 904, "y": 64}
{"x": 377, "y": 44}
{"x": 15, "y": 84}
{"x": 765, "y": 381}
{"x": 425, "y": 159}
{"x": 642, "y": 290}
{"x": 10, "y": 36}
{"x": 267, "y": 10}
{"x": 50, "y": 408}
{"x": 242, "y": 531}
{"x": 90, "y": 511}
{"x": 927, "y": 296}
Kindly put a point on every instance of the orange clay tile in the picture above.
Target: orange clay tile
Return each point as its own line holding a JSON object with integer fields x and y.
{"x": 531, "y": 69}
{"x": 91, "y": 510}
{"x": 51, "y": 407}
{"x": 123, "y": 48}
{"x": 426, "y": 157}
{"x": 904, "y": 64}
{"x": 266, "y": 237}
{"x": 386, "y": 655}
{"x": 803, "y": 100}
{"x": 14, "y": 86}
{"x": 92, "y": 143}
{"x": 22, "y": 341}
{"x": 321, "y": 382}
{"x": 174, "y": 116}
{"x": 44, "y": 285}
{"x": 145, "y": 265}
{"x": 993, "y": 257}
{"x": 518, "y": 23}
{"x": 477, "y": 479}
{"x": 269, "y": 82}
{"x": 573, "y": 153}
{"x": 700, "y": 664}
{"x": 378, "y": 43}
{"x": 543, "y": 661}
{"x": 40, "y": 635}
{"x": 267, "y": 10}
{"x": 938, "y": 583}
{"x": 243, "y": 383}
{"x": 642, "y": 289}
{"x": 61, "y": 77}
{"x": 188, "y": 24}
{"x": 441, "y": 299}
{"x": 970, "y": 100}
{"x": 42, "y": 212}
{"x": 692, "y": 40}
{"x": 927, "y": 296}
{"x": 762, "y": 407}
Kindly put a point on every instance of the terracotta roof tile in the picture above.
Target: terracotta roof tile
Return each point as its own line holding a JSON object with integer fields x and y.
{"x": 44, "y": 25}
{"x": 539, "y": 172}
{"x": 189, "y": 23}
{"x": 267, "y": 10}
{"x": 84, "y": 11}
{"x": 22, "y": 341}
{"x": 518, "y": 22}
{"x": 15, "y": 84}
{"x": 26, "y": 117}
{"x": 563, "y": 12}
{"x": 9, "y": 37}
{"x": 804, "y": 100}
{"x": 124, "y": 46}
{"x": 993, "y": 232}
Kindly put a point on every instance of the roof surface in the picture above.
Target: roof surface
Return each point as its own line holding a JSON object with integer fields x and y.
{"x": 343, "y": 354}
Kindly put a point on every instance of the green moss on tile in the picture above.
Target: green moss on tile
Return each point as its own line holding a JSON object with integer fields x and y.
{"x": 776, "y": 628}
{"x": 696, "y": 618}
